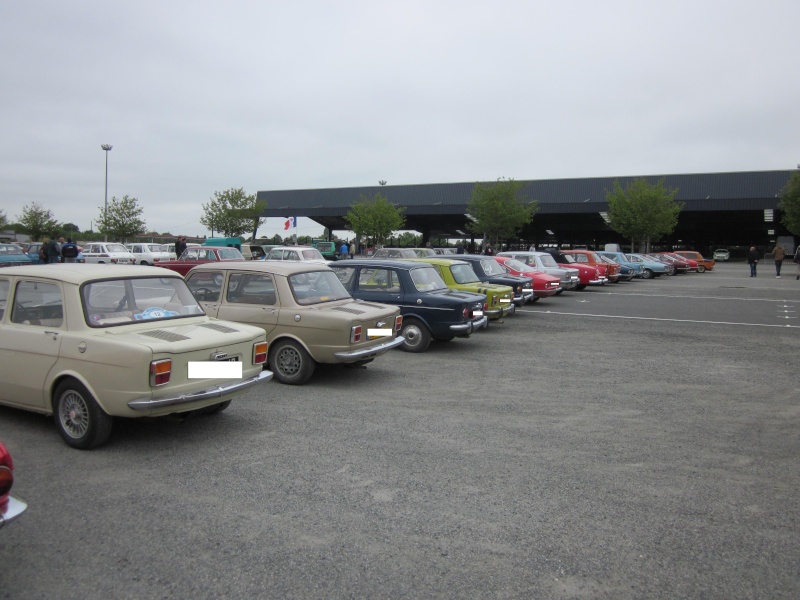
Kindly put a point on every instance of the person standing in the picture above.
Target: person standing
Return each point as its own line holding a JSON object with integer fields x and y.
{"x": 69, "y": 251}
{"x": 344, "y": 251}
{"x": 180, "y": 247}
{"x": 53, "y": 251}
{"x": 353, "y": 249}
{"x": 778, "y": 254}
{"x": 752, "y": 260}
{"x": 459, "y": 248}
{"x": 797, "y": 262}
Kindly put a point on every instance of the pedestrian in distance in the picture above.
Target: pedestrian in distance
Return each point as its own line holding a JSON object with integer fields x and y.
{"x": 180, "y": 246}
{"x": 53, "y": 251}
{"x": 752, "y": 260}
{"x": 344, "y": 251}
{"x": 778, "y": 254}
{"x": 797, "y": 262}
{"x": 69, "y": 251}
{"x": 353, "y": 249}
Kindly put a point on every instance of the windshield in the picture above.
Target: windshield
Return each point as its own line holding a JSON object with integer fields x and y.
{"x": 156, "y": 248}
{"x": 312, "y": 254}
{"x": 116, "y": 248}
{"x": 130, "y": 300}
{"x": 427, "y": 279}
{"x": 492, "y": 267}
{"x": 568, "y": 258}
{"x": 463, "y": 274}
{"x": 317, "y": 287}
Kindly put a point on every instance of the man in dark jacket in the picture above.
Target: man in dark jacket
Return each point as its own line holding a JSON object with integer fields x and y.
{"x": 53, "y": 251}
{"x": 69, "y": 251}
{"x": 752, "y": 260}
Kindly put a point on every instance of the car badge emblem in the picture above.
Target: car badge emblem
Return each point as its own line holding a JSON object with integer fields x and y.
{"x": 219, "y": 355}
{"x": 380, "y": 324}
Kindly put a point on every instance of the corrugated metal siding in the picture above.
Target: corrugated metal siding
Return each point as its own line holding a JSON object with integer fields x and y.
{"x": 751, "y": 190}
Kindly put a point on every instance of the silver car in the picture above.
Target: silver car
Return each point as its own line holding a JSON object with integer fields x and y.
{"x": 545, "y": 263}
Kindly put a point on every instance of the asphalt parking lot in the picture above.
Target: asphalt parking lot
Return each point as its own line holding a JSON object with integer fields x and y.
{"x": 639, "y": 440}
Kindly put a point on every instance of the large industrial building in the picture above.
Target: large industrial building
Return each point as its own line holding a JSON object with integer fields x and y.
{"x": 720, "y": 210}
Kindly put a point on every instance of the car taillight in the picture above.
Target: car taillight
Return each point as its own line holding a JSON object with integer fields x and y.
{"x": 6, "y": 474}
{"x": 113, "y": 260}
{"x": 259, "y": 353}
{"x": 467, "y": 313}
{"x": 160, "y": 370}
{"x": 355, "y": 334}
{"x": 398, "y": 323}
{"x": 485, "y": 306}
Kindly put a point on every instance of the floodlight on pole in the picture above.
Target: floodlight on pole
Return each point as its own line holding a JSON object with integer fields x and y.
{"x": 107, "y": 149}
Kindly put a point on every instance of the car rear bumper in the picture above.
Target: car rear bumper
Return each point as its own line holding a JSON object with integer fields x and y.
{"x": 469, "y": 326}
{"x": 14, "y": 510}
{"x": 601, "y": 281}
{"x": 215, "y": 392}
{"x": 372, "y": 351}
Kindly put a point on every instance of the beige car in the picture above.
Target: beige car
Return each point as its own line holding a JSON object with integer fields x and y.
{"x": 87, "y": 343}
{"x": 308, "y": 315}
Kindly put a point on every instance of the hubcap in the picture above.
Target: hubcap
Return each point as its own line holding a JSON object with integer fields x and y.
{"x": 289, "y": 361}
{"x": 412, "y": 335}
{"x": 74, "y": 414}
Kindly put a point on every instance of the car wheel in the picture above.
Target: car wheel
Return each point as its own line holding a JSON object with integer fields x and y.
{"x": 290, "y": 363}
{"x": 559, "y": 292}
{"x": 418, "y": 338}
{"x": 449, "y": 338}
{"x": 647, "y": 274}
{"x": 79, "y": 419}
{"x": 582, "y": 286}
{"x": 701, "y": 269}
{"x": 143, "y": 262}
{"x": 535, "y": 299}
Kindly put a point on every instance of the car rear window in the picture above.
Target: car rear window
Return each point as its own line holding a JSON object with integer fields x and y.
{"x": 427, "y": 279}
{"x": 123, "y": 301}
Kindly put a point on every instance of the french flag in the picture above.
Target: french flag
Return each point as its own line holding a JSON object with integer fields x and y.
{"x": 290, "y": 222}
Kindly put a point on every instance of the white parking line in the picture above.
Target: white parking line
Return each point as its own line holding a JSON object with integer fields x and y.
{"x": 604, "y": 293}
{"x": 552, "y": 312}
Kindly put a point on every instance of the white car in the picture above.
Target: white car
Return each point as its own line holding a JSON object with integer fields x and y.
{"x": 107, "y": 253}
{"x": 305, "y": 254}
{"x": 722, "y": 254}
{"x": 148, "y": 254}
{"x": 88, "y": 343}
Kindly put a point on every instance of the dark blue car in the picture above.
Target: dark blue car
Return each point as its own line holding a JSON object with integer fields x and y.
{"x": 431, "y": 310}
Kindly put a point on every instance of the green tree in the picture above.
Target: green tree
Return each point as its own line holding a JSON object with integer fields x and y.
{"x": 790, "y": 203}
{"x": 376, "y": 218}
{"x": 409, "y": 240}
{"x": 643, "y": 212}
{"x": 121, "y": 222}
{"x": 37, "y": 221}
{"x": 233, "y": 212}
{"x": 499, "y": 210}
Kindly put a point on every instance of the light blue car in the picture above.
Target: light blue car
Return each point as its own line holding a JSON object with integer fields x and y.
{"x": 634, "y": 269}
{"x": 650, "y": 268}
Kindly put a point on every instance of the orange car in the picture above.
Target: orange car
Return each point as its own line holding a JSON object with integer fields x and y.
{"x": 703, "y": 264}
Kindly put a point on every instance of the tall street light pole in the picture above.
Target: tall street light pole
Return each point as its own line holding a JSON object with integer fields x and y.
{"x": 107, "y": 148}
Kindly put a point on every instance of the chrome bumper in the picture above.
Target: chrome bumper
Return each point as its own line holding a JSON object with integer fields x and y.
{"x": 600, "y": 281}
{"x": 371, "y": 351}
{"x": 215, "y": 392}
{"x": 14, "y": 510}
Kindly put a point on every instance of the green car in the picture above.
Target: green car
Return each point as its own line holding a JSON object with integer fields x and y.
{"x": 459, "y": 275}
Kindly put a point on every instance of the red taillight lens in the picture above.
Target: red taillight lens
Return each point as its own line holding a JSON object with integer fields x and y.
{"x": 398, "y": 323}
{"x": 260, "y": 353}
{"x": 160, "y": 370}
{"x": 355, "y": 334}
{"x": 467, "y": 313}
{"x": 485, "y": 306}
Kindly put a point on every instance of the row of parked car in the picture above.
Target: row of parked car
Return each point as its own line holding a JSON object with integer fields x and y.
{"x": 280, "y": 317}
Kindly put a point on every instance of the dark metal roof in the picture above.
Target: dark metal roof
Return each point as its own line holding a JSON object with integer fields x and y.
{"x": 750, "y": 190}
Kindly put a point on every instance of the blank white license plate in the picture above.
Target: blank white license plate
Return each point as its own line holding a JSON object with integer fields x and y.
{"x": 216, "y": 369}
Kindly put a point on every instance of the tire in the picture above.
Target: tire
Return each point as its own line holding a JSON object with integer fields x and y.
{"x": 79, "y": 419}
{"x": 448, "y": 338}
{"x": 290, "y": 363}
{"x": 647, "y": 274}
{"x": 580, "y": 287}
{"x": 701, "y": 269}
{"x": 559, "y": 292}
{"x": 535, "y": 299}
{"x": 144, "y": 262}
{"x": 418, "y": 338}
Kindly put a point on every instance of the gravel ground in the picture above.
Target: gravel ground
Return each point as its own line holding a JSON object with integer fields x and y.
{"x": 556, "y": 455}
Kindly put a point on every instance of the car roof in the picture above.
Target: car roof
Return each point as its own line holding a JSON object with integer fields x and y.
{"x": 438, "y": 260}
{"x": 279, "y": 267}
{"x": 401, "y": 263}
{"x": 293, "y": 248}
{"x": 79, "y": 272}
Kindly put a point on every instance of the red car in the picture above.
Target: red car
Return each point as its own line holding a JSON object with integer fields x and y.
{"x": 591, "y": 258}
{"x": 544, "y": 285}
{"x": 693, "y": 264}
{"x": 10, "y": 507}
{"x": 200, "y": 255}
{"x": 588, "y": 274}
{"x": 680, "y": 265}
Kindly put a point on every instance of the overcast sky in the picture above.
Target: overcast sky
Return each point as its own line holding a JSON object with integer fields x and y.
{"x": 200, "y": 96}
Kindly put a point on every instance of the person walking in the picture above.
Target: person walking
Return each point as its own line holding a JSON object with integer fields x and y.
{"x": 752, "y": 260}
{"x": 778, "y": 254}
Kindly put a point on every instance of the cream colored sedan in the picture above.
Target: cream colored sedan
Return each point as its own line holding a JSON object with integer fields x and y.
{"x": 308, "y": 315}
{"x": 87, "y": 343}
